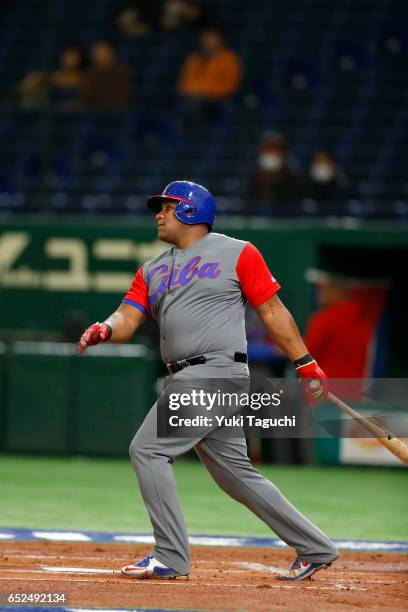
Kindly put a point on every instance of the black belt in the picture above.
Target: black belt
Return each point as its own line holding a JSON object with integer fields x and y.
{"x": 176, "y": 366}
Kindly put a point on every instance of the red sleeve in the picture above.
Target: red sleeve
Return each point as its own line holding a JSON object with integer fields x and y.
{"x": 138, "y": 294}
{"x": 257, "y": 283}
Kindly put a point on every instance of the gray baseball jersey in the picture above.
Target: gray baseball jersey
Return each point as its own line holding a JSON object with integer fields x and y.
{"x": 198, "y": 295}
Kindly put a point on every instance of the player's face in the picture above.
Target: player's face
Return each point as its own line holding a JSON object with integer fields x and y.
{"x": 169, "y": 227}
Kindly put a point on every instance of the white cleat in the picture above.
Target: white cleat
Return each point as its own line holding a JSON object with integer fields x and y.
{"x": 149, "y": 567}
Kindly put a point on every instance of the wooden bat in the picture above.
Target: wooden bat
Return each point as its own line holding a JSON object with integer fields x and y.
{"x": 395, "y": 446}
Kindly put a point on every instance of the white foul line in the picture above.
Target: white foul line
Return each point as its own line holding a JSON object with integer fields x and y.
{"x": 260, "y": 567}
{"x": 77, "y": 570}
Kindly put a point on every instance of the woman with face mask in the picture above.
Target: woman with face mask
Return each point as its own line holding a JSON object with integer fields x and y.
{"x": 276, "y": 187}
{"x": 327, "y": 185}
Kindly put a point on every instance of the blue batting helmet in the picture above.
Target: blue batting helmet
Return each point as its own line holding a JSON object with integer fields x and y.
{"x": 195, "y": 203}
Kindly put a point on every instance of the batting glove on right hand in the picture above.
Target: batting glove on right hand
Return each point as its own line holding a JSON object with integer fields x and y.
{"x": 96, "y": 333}
{"x": 313, "y": 380}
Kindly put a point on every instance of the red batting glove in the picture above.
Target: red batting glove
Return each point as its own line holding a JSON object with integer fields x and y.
{"x": 313, "y": 381}
{"x": 96, "y": 333}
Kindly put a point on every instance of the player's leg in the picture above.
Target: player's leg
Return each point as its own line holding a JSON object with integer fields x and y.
{"x": 227, "y": 461}
{"x": 151, "y": 458}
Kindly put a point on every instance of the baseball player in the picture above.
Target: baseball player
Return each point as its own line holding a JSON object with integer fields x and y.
{"x": 197, "y": 291}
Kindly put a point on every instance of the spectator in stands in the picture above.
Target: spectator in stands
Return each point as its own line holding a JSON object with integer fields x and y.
{"x": 138, "y": 17}
{"x": 32, "y": 93}
{"x": 326, "y": 183}
{"x": 106, "y": 84}
{"x": 66, "y": 80}
{"x": 209, "y": 75}
{"x": 38, "y": 89}
{"x": 178, "y": 14}
{"x": 276, "y": 185}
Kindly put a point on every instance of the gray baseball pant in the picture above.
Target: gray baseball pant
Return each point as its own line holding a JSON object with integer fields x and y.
{"x": 227, "y": 461}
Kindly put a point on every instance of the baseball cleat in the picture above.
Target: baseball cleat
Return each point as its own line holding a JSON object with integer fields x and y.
{"x": 299, "y": 570}
{"x": 149, "y": 567}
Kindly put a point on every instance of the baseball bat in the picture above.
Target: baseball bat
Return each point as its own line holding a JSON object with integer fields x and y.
{"x": 395, "y": 446}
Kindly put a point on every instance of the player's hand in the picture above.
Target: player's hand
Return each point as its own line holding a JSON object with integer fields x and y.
{"x": 96, "y": 333}
{"x": 313, "y": 381}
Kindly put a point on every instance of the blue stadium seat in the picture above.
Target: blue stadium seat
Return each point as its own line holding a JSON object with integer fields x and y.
{"x": 327, "y": 74}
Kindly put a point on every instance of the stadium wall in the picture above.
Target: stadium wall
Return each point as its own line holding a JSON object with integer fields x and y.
{"x": 48, "y": 268}
{"x": 52, "y": 401}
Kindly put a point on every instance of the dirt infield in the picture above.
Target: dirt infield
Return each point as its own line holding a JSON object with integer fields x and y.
{"x": 221, "y": 579}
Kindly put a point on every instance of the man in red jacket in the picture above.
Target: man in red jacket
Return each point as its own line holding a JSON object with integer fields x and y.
{"x": 340, "y": 334}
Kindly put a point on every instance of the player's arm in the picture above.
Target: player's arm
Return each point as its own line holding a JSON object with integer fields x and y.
{"x": 119, "y": 327}
{"x": 260, "y": 288}
{"x": 122, "y": 324}
{"x": 281, "y": 328}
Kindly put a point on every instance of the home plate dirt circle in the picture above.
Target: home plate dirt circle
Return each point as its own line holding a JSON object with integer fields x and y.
{"x": 222, "y": 578}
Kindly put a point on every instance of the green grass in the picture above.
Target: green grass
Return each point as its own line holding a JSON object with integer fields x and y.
{"x": 102, "y": 494}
